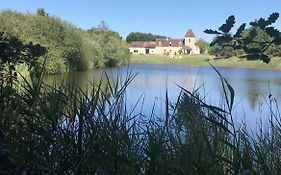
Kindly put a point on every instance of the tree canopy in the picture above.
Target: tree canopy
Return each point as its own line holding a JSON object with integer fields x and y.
{"x": 139, "y": 36}
{"x": 259, "y": 41}
{"x": 203, "y": 45}
{"x": 69, "y": 48}
{"x": 12, "y": 52}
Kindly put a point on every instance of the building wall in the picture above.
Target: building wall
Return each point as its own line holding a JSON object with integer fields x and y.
{"x": 195, "y": 51}
{"x": 152, "y": 51}
{"x": 137, "y": 50}
{"x": 190, "y": 42}
{"x": 167, "y": 50}
{"x": 163, "y": 50}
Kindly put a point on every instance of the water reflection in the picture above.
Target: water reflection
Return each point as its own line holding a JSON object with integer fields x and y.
{"x": 251, "y": 86}
{"x": 83, "y": 79}
{"x": 253, "y": 92}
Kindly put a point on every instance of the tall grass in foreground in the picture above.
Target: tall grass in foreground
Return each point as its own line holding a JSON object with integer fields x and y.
{"x": 63, "y": 130}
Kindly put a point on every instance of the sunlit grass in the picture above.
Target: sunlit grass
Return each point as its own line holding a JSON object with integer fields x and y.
{"x": 202, "y": 60}
{"x": 161, "y": 59}
{"x": 275, "y": 63}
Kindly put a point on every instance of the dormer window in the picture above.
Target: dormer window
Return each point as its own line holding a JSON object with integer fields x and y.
{"x": 170, "y": 44}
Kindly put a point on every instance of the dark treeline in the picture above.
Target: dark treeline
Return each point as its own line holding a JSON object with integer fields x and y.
{"x": 69, "y": 48}
{"x": 139, "y": 36}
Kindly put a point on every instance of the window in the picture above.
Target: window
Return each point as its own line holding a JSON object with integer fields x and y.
{"x": 170, "y": 44}
{"x": 189, "y": 40}
{"x": 136, "y": 51}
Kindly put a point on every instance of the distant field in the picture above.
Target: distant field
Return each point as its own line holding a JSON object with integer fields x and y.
{"x": 202, "y": 60}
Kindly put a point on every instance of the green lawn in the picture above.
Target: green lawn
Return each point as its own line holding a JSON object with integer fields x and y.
{"x": 162, "y": 59}
{"x": 202, "y": 60}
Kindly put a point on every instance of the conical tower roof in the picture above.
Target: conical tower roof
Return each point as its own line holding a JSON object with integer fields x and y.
{"x": 189, "y": 34}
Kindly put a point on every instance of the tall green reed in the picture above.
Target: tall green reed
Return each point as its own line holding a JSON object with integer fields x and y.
{"x": 66, "y": 130}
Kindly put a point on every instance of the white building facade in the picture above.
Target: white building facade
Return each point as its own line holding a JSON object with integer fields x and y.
{"x": 167, "y": 46}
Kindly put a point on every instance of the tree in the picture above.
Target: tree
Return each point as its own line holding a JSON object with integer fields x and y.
{"x": 12, "y": 52}
{"x": 138, "y": 36}
{"x": 203, "y": 45}
{"x": 103, "y": 26}
{"x": 114, "y": 51}
{"x": 221, "y": 52}
{"x": 252, "y": 44}
{"x": 69, "y": 48}
{"x": 41, "y": 12}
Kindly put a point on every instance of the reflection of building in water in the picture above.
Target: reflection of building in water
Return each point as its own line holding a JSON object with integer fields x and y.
{"x": 253, "y": 92}
{"x": 190, "y": 82}
{"x": 253, "y": 97}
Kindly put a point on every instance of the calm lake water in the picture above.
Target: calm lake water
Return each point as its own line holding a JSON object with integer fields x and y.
{"x": 252, "y": 87}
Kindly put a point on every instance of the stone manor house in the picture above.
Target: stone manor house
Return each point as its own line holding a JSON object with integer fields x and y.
{"x": 167, "y": 46}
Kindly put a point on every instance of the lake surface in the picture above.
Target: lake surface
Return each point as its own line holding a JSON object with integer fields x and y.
{"x": 252, "y": 87}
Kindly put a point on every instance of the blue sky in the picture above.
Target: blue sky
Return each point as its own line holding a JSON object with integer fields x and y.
{"x": 167, "y": 17}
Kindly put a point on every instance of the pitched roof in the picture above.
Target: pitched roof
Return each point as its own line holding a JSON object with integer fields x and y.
{"x": 160, "y": 42}
{"x": 143, "y": 44}
{"x": 189, "y": 33}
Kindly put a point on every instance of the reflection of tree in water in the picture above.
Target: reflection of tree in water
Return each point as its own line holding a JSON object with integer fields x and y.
{"x": 277, "y": 82}
{"x": 82, "y": 79}
{"x": 253, "y": 92}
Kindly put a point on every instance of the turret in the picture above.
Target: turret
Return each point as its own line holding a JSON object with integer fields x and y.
{"x": 190, "y": 41}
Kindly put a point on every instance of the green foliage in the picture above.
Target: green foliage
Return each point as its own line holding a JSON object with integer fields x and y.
{"x": 63, "y": 130}
{"x": 69, "y": 48}
{"x": 14, "y": 52}
{"x": 42, "y": 12}
{"x": 222, "y": 52}
{"x": 113, "y": 49}
{"x": 257, "y": 42}
{"x": 203, "y": 45}
{"x": 139, "y": 36}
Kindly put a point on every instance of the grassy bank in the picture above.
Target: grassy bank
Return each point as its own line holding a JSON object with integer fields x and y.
{"x": 202, "y": 60}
